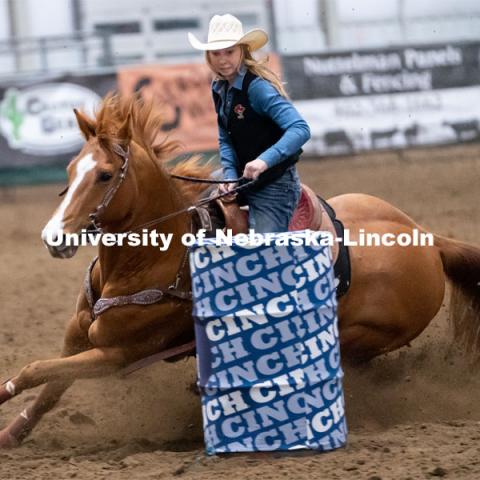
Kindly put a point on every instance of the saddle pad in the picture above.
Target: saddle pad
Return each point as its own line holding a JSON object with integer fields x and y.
{"x": 311, "y": 214}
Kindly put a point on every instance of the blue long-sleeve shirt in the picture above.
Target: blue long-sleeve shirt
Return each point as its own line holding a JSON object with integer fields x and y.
{"x": 265, "y": 100}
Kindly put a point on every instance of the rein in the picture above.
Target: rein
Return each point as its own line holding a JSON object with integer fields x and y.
{"x": 193, "y": 207}
{"x": 205, "y": 180}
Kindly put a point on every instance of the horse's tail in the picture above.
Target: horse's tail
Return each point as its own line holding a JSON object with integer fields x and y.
{"x": 461, "y": 263}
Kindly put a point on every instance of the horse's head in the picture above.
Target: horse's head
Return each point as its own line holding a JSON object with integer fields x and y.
{"x": 94, "y": 176}
{"x": 119, "y": 180}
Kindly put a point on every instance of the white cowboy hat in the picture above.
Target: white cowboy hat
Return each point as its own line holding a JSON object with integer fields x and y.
{"x": 225, "y": 31}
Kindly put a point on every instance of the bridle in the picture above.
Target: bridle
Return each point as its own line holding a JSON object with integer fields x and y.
{"x": 110, "y": 193}
{"x": 243, "y": 184}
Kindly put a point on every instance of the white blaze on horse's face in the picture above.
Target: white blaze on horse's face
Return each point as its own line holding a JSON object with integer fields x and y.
{"x": 53, "y": 233}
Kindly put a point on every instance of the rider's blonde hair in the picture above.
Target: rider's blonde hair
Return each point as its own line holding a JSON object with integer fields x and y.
{"x": 257, "y": 67}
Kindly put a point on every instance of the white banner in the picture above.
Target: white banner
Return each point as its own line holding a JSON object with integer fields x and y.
{"x": 345, "y": 125}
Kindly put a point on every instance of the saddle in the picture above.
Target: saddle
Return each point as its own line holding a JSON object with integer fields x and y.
{"x": 312, "y": 213}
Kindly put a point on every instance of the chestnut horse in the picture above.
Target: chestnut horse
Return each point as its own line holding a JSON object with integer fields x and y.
{"x": 120, "y": 179}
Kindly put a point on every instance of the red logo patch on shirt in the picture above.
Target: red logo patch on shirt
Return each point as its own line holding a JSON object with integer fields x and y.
{"x": 239, "y": 109}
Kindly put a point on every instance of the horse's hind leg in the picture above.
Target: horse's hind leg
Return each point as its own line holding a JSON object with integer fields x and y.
{"x": 360, "y": 343}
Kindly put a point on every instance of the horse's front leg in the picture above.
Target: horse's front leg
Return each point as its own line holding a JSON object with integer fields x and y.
{"x": 17, "y": 430}
{"x": 58, "y": 374}
{"x": 92, "y": 363}
{"x": 76, "y": 341}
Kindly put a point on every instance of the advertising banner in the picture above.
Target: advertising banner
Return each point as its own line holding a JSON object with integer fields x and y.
{"x": 267, "y": 346}
{"x": 183, "y": 93}
{"x": 37, "y": 124}
{"x": 387, "y": 98}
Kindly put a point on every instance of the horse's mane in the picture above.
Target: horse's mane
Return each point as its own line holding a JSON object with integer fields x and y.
{"x": 145, "y": 129}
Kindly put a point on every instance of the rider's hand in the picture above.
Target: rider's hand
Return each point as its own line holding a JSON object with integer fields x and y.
{"x": 227, "y": 187}
{"x": 254, "y": 168}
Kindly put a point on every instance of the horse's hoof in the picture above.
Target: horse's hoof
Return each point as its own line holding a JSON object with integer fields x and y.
{"x": 7, "y": 440}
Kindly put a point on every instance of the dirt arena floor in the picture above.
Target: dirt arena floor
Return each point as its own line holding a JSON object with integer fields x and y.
{"x": 414, "y": 414}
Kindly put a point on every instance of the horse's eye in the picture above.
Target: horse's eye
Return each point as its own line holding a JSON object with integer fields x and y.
{"x": 104, "y": 177}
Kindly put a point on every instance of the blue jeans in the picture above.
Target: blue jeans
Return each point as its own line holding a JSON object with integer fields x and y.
{"x": 272, "y": 207}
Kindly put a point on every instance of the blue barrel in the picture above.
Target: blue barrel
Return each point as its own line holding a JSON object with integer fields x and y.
{"x": 266, "y": 329}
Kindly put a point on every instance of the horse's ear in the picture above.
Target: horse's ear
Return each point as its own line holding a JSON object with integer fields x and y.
{"x": 87, "y": 127}
{"x": 125, "y": 132}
